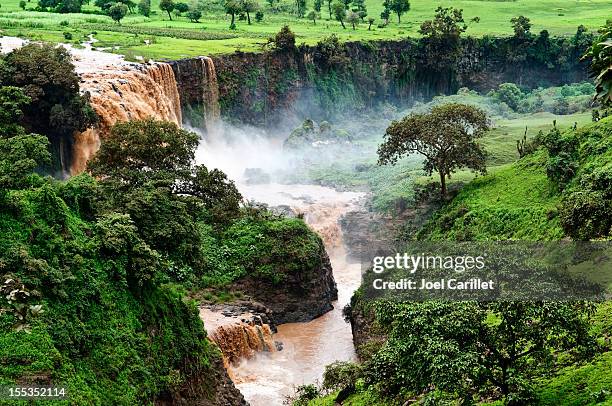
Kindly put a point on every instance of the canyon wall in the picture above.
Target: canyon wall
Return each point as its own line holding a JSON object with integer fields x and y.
{"x": 333, "y": 78}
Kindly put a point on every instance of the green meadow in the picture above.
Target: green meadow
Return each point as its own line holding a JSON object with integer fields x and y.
{"x": 159, "y": 38}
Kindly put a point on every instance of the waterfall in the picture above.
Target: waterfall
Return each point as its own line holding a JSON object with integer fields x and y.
{"x": 123, "y": 93}
{"x": 240, "y": 341}
{"x": 210, "y": 95}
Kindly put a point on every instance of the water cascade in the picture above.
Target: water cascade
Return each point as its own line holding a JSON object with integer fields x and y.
{"x": 210, "y": 91}
{"x": 123, "y": 93}
{"x": 239, "y": 336}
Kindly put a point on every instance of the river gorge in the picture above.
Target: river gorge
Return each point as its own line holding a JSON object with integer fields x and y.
{"x": 244, "y": 108}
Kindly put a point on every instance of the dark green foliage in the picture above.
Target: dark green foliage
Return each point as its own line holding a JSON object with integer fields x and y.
{"x": 284, "y": 40}
{"x": 441, "y": 43}
{"x": 340, "y": 375}
{"x": 562, "y": 150}
{"x": 600, "y": 55}
{"x": 521, "y": 26}
{"x": 167, "y": 6}
{"x": 46, "y": 75}
{"x": 117, "y": 11}
{"x": 194, "y": 15}
{"x": 398, "y": 7}
{"x": 472, "y": 349}
{"x": 144, "y": 7}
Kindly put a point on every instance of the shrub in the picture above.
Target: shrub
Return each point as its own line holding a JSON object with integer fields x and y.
{"x": 586, "y": 214}
{"x": 68, "y": 36}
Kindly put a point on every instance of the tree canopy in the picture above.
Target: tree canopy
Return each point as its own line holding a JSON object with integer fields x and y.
{"x": 447, "y": 137}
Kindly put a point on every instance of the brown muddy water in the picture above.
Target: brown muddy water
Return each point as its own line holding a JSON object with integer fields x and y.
{"x": 268, "y": 377}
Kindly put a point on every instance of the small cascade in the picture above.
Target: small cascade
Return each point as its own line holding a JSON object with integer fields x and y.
{"x": 210, "y": 92}
{"x": 240, "y": 341}
{"x": 238, "y": 333}
{"x": 123, "y": 93}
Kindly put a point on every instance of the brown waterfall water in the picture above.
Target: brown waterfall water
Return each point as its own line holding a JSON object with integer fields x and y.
{"x": 122, "y": 93}
{"x": 210, "y": 94}
{"x": 236, "y": 338}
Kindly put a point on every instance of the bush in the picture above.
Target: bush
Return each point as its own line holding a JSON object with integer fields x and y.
{"x": 194, "y": 15}
{"x": 585, "y": 215}
{"x": 68, "y": 36}
{"x": 284, "y": 40}
{"x": 340, "y": 375}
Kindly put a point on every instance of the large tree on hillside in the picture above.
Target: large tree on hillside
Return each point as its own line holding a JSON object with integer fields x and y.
{"x": 140, "y": 153}
{"x": 447, "y": 137}
{"x": 476, "y": 349}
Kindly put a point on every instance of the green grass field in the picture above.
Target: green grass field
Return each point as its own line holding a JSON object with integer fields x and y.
{"x": 172, "y": 39}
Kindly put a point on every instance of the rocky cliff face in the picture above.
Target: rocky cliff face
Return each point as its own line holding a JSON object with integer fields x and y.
{"x": 213, "y": 387}
{"x": 330, "y": 78}
{"x": 300, "y": 297}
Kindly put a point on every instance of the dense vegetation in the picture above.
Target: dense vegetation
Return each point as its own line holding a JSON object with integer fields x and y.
{"x": 510, "y": 353}
{"x": 95, "y": 271}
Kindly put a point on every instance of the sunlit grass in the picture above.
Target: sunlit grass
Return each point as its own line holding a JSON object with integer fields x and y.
{"x": 560, "y": 17}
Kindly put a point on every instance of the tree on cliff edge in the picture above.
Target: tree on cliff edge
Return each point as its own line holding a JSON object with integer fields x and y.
{"x": 447, "y": 137}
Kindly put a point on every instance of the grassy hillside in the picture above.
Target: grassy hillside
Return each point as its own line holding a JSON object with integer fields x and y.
{"x": 181, "y": 38}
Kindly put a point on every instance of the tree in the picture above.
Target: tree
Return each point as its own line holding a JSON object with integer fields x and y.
{"x": 232, "y": 7}
{"x": 313, "y": 15}
{"x": 144, "y": 7}
{"x": 447, "y": 137}
{"x": 600, "y": 55}
{"x": 471, "y": 348}
{"x": 442, "y": 38}
{"x": 384, "y": 15}
{"x": 360, "y": 8}
{"x": 22, "y": 4}
{"x": 370, "y": 22}
{"x": 249, "y": 6}
{"x": 20, "y": 153}
{"x": 46, "y": 75}
{"x": 353, "y": 19}
{"x": 339, "y": 11}
{"x": 521, "y": 26}
{"x": 399, "y": 7}
{"x": 181, "y": 8}
{"x": 117, "y": 11}
{"x": 300, "y": 6}
{"x": 167, "y": 6}
{"x": 317, "y": 5}
{"x": 284, "y": 40}
{"x": 329, "y": 8}
{"x": 137, "y": 152}
{"x": 194, "y": 15}
{"x": 68, "y": 6}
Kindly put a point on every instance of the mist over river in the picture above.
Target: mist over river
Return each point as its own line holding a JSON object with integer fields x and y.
{"x": 268, "y": 377}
